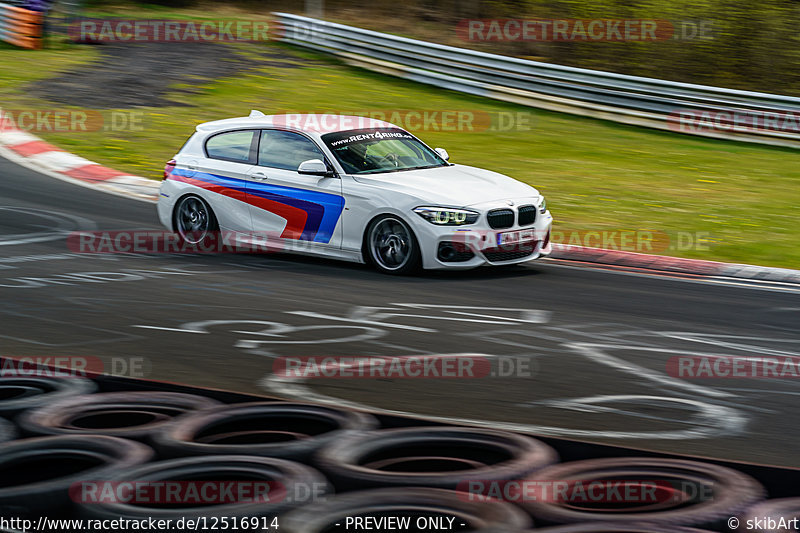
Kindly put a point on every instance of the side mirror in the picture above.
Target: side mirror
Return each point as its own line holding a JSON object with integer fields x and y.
{"x": 442, "y": 153}
{"x": 313, "y": 167}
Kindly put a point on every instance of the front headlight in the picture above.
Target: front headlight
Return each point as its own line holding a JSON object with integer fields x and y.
{"x": 543, "y": 206}
{"x": 446, "y": 216}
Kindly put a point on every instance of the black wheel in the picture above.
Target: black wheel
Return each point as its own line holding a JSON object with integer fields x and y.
{"x": 437, "y": 456}
{"x": 391, "y": 247}
{"x": 272, "y": 429}
{"x": 689, "y": 493}
{"x": 194, "y": 220}
{"x": 134, "y": 415}
{"x": 38, "y": 474}
{"x": 413, "y": 504}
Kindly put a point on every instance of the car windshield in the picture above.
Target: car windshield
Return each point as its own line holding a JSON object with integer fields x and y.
{"x": 372, "y": 151}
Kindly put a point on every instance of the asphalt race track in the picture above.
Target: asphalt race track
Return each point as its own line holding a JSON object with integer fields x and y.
{"x": 587, "y": 348}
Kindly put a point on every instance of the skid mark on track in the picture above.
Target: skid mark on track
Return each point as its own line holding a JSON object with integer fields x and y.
{"x": 595, "y": 352}
{"x": 709, "y": 420}
{"x": 56, "y": 225}
{"x": 701, "y": 411}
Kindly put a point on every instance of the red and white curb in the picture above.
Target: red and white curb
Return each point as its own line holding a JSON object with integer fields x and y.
{"x": 677, "y": 265}
{"x": 31, "y": 152}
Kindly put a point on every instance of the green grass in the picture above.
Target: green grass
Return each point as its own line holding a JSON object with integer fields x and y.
{"x": 18, "y": 67}
{"x": 596, "y": 175}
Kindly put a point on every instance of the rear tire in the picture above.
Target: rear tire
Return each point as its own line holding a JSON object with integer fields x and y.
{"x": 194, "y": 221}
{"x": 391, "y": 247}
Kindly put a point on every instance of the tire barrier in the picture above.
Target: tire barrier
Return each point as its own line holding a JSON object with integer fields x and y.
{"x": 20, "y": 394}
{"x": 781, "y": 511}
{"x": 36, "y": 474}
{"x": 275, "y": 429}
{"x": 414, "y": 503}
{"x": 288, "y": 484}
{"x": 404, "y": 471}
{"x": 134, "y": 415}
{"x": 695, "y": 494}
{"x": 21, "y": 27}
{"x": 440, "y": 457}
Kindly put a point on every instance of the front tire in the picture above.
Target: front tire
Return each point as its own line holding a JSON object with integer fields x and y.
{"x": 391, "y": 247}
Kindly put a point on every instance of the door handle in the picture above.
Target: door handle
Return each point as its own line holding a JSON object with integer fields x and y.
{"x": 259, "y": 176}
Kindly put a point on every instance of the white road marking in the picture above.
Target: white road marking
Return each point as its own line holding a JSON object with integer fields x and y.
{"x": 711, "y": 421}
{"x": 715, "y": 340}
{"x": 276, "y": 329}
{"x": 360, "y": 321}
{"x": 593, "y": 352}
{"x": 61, "y": 225}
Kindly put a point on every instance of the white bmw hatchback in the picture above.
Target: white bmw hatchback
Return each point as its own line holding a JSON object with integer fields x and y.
{"x": 350, "y": 188}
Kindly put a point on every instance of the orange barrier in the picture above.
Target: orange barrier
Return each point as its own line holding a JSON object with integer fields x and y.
{"x": 21, "y": 27}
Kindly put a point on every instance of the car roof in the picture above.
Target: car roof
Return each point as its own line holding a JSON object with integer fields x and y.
{"x": 313, "y": 123}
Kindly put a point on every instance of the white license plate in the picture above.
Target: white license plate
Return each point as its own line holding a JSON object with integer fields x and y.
{"x": 515, "y": 237}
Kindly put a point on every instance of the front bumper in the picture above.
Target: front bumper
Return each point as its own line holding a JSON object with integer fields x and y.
{"x": 465, "y": 247}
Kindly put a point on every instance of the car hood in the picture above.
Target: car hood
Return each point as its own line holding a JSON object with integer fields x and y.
{"x": 451, "y": 186}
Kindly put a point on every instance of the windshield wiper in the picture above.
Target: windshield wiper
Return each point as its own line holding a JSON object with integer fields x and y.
{"x": 387, "y": 170}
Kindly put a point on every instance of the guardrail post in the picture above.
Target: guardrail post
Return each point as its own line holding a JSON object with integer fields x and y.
{"x": 315, "y": 8}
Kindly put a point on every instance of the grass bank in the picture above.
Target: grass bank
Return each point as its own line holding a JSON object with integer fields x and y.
{"x": 744, "y": 199}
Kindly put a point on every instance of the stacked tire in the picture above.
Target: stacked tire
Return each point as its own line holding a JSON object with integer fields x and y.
{"x": 60, "y": 440}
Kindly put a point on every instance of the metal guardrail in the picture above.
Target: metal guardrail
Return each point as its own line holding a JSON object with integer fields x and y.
{"x": 20, "y": 27}
{"x": 682, "y": 107}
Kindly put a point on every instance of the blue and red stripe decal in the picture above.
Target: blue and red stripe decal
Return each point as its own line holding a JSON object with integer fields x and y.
{"x": 310, "y": 215}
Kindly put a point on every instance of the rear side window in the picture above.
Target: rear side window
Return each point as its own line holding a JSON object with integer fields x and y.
{"x": 187, "y": 142}
{"x": 286, "y": 150}
{"x": 231, "y": 146}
